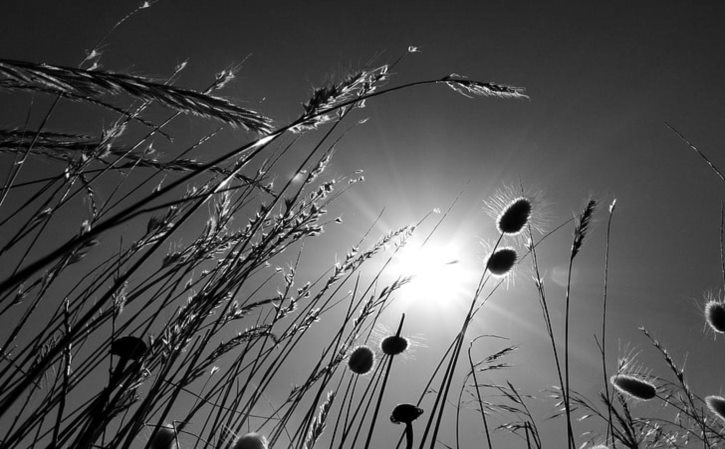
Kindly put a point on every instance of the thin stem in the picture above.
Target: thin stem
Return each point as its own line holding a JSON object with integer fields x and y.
{"x": 480, "y": 400}
{"x": 603, "y": 347}
{"x": 567, "y": 405}
{"x": 382, "y": 388}
{"x": 699, "y": 153}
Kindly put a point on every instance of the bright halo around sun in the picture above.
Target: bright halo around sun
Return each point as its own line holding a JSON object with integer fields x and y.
{"x": 439, "y": 277}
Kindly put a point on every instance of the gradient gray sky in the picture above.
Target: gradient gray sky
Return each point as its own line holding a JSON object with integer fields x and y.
{"x": 603, "y": 78}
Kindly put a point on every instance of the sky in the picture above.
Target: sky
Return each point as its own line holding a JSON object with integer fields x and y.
{"x": 603, "y": 79}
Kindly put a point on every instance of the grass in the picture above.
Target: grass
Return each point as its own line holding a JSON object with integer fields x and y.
{"x": 122, "y": 336}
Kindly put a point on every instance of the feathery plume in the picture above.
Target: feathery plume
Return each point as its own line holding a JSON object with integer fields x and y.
{"x": 318, "y": 109}
{"x": 317, "y": 427}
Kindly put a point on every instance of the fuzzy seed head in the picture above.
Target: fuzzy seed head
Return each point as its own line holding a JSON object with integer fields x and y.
{"x": 715, "y": 316}
{"x": 163, "y": 438}
{"x": 252, "y": 440}
{"x": 514, "y": 217}
{"x": 501, "y": 261}
{"x": 634, "y": 387}
{"x": 394, "y": 345}
{"x": 405, "y": 413}
{"x": 716, "y": 404}
{"x": 361, "y": 360}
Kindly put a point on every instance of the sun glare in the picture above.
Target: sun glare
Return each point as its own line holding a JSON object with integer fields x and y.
{"x": 439, "y": 276}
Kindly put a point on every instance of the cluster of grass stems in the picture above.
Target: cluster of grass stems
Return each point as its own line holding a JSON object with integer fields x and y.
{"x": 120, "y": 336}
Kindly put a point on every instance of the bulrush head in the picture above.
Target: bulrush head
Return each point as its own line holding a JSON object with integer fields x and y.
{"x": 633, "y": 386}
{"x": 501, "y": 261}
{"x": 129, "y": 348}
{"x": 252, "y": 440}
{"x": 716, "y": 404}
{"x": 361, "y": 360}
{"x": 394, "y": 345}
{"x": 405, "y": 413}
{"x": 163, "y": 437}
{"x": 514, "y": 216}
{"x": 715, "y": 315}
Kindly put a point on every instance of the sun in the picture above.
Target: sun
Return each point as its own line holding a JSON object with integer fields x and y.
{"x": 439, "y": 276}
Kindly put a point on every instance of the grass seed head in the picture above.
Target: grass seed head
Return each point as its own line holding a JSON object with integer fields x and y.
{"x": 130, "y": 348}
{"x": 394, "y": 345}
{"x": 516, "y": 209}
{"x": 405, "y": 413}
{"x": 716, "y": 404}
{"x": 163, "y": 437}
{"x": 514, "y": 217}
{"x": 501, "y": 261}
{"x": 252, "y": 440}
{"x": 633, "y": 386}
{"x": 361, "y": 360}
{"x": 715, "y": 315}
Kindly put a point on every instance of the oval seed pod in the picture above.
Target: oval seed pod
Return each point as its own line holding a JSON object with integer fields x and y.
{"x": 361, "y": 360}
{"x": 405, "y": 413}
{"x": 715, "y": 316}
{"x": 514, "y": 217}
{"x": 501, "y": 261}
{"x": 633, "y": 386}
{"x": 129, "y": 348}
{"x": 394, "y": 345}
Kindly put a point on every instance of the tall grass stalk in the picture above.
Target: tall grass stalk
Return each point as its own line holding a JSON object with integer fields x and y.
{"x": 388, "y": 366}
{"x": 603, "y": 344}
{"x": 580, "y": 231}
{"x": 539, "y": 283}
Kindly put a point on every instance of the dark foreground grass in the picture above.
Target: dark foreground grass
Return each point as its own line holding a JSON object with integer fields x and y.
{"x": 119, "y": 335}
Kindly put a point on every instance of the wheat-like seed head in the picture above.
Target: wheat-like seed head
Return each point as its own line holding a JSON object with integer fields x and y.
{"x": 470, "y": 88}
{"x": 94, "y": 83}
